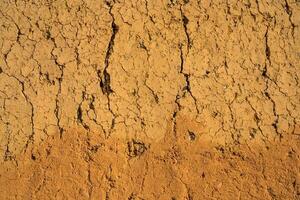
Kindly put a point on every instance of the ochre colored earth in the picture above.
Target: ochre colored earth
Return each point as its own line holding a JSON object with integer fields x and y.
{"x": 150, "y": 99}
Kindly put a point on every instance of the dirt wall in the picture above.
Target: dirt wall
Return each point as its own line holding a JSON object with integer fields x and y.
{"x": 140, "y": 99}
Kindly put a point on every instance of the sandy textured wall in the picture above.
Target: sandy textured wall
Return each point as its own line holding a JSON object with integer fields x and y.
{"x": 148, "y": 99}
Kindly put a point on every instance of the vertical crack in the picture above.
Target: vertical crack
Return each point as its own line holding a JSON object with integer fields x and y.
{"x": 138, "y": 106}
{"x": 236, "y": 134}
{"x": 185, "y": 22}
{"x": 111, "y": 182}
{"x": 32, "y": 134}
{"x": 60, "y": 79}
{"x": 8, "y": 155}
{"x": 256, "y": 118}
{"x": 105, "y": 78}
{"x": 90, "y": 184}
{"x": 175, "y": 114}
{"x": 289, "y": 12}
{"x": 187, "y": 87}
{"x": 88, "y": 160}
{"x": 92, "y": 108}
{"x": 89, "y": 179}
{"x": 275, "y": 122}
{"x": 57, "y": 107}
{"x": 155, "y": 96}
{"x": 114, "y": 117}
{"x": 267, "y": 77}
{"x": 80, "y": 112}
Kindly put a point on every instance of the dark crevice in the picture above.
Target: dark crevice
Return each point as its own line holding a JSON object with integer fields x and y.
{"x": 111, "y": 183}
{"x": 80, "y": 113}
{"x": 268, "y": 63}
{"x": 57, "y": 107}
{"x": 256, "y": 119}
{"x": 289, "y": 12}
{"x": 105, "y": 80}
{"x": 268, "y": 78}
{"x": 192, "y": 135}
{"x": 267, "y": 49}
{"x": 236, "y": 133}
{"x": 185, "y": 22}
{"x": 19, "y": 33}
{"x": 155, "y": 96}
{"x": 92, "y": 108}
{"x": 113, "y": 114}
{"x": 132, "y": 196}
{"x": 33, "y": 157}
{"x": 175, "y": 114}
{"x": 88, "y": 160}
{"x": 78, "y": 61}
{"x": 8, "y": 155}
{"x": 275, "y": 123}
{"x": 89, "y": 179}
{"x": 59, "y": 79}
{"x": 187, "y": 87}
{"x": 258, "y": 8}
{"x": 31, "y": 136}
{"x": 105, "y": 83}
{"x": 268, "y": 54}
{"x": 271, "y": 193}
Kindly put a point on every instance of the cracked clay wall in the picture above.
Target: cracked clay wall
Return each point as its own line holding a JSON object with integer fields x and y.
{"x": 148, "y": 99}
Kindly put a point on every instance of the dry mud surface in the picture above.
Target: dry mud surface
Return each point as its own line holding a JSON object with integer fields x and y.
{"x": 148, "y": 99}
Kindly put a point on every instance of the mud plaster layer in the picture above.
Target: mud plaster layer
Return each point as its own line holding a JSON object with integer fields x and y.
{"x": 149, "y": 79}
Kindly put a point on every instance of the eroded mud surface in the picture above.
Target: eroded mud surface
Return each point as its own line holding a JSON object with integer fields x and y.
{"x": 145, "y": 99}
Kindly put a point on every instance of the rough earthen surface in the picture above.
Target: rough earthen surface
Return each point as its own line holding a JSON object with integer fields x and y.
{"x": 148, "y": 99}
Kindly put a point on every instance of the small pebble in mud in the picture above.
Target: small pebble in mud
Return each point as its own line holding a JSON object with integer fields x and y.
{"x": 192, "y": 136}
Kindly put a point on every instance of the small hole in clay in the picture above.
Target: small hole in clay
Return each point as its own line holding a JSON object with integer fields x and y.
{"x": 33, "y": 157}
{"x": 192, "y": 136}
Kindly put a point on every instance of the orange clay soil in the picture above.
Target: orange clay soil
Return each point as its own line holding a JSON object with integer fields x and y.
{"x": 150, "y": 99}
